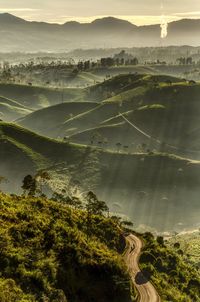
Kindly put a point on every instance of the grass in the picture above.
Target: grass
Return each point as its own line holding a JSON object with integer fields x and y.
{"x": 47, "y": 253}
{"x": 189, "y": 243}
{"x": 47, "y": 121}
{"x": 10, "y": 102}
{"x": 115, "y": 176}
{"x": 128, "y": 94}
{"x": 35, "y": 97}
{"x": 174, "y": 279}
{"x": 10, "y": 110}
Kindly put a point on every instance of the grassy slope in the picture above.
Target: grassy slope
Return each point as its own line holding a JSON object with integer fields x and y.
{"x": 175, "y": 280}
{"x": 90, "y": 118}
{"x": 23, "y": 152}
{"x": 158, "y": 189}
{"x": 65, "y": 75}
{"x": 121, "y": 86}
{"x": 168, "y": 181}
{"x": 122, "y": 83}
{"x": 10, "y": 102}
{"x": 179, "y": 108}
{"x": 47, "y": 121}
{"x": 48, "y": 254}
{"x": 130, "y": 92}
{"x": 11, "y": 110}
{"x": 190, "y": 244}
{"x": 35, "y": 97}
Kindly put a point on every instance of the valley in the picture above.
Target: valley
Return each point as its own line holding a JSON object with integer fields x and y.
{"x": 133, "y": 138}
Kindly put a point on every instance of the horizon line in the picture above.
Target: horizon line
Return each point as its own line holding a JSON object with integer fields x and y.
{"x": 90, "y": 20}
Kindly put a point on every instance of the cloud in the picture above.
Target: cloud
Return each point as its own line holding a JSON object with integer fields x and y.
{"x": 17, "y": 9}
{"x": 188, "y": 14}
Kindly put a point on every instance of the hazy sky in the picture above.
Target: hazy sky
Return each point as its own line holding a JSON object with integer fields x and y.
{"x": 136, "y": 11}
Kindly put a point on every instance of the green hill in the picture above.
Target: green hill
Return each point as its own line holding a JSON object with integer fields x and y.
{"x": 152, "y": 127}
{"x": 48, "y": 253}
{"x": 127, "y": 93}
{"x": 48, "y": 121}
{"x": 147, "y": 186}
{"x": 11, "y": 110}
{"x": 35, "y": 97}
{"x": 175, "y": 278}
{"x": 23, "y": 152}
{"x": 90, "y": 118}
{"x": 189, "y": 242}
{"x": 167, "y": 113}
{"x": 124, "y": 82}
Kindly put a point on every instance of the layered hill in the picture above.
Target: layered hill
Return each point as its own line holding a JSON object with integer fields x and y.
{"x": 155, "y": 113}
{"x": 138, "y": 111}
{"x": 35, "y": 97}
{"x": 11, "y": 110}
{"x": 48, "y": 121}
{"x": 107, "y": 31}
{"x": 127, "y": 90}
{"x": 140, "y": 183}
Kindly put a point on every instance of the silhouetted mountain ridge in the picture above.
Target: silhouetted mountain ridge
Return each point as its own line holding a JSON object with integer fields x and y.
{"x": 109, "y": 32}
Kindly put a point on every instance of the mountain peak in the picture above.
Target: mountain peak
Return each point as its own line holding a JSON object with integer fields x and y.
{"x": 9, "y": 18}
{"x": 112, "y": 21}
{"x": 74, "y": 24}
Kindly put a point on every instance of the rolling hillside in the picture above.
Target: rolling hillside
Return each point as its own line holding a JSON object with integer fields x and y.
{"x": 166, "y": 114}
{"x": 47, "y": 121}
{"x": 65, "y": 262}
{"x": 159, "y": 113}
{"x": 11, "y": 110}
{"x": 140, "y": 184}
{"x": 123, "y": 92}
{"x": 35, "y": 97}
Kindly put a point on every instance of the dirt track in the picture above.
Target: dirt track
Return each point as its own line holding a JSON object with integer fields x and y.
{"x": 146, "y": 291}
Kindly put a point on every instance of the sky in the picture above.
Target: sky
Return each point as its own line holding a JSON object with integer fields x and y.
{"x": 139, "y": 12}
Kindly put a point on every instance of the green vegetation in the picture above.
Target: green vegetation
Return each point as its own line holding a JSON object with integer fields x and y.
{"x": 36, "y": 97}
{"x": 174, "y": 279}
{"x": 130, "y": 153}
{"x": 189, "y": 244}
{"x": 11, "y": 110}
{"x": 49, "y": 254}
{"x": 23, "y": 152}
{"x": 150, "y": 102}
{"x": 49, "y": 121}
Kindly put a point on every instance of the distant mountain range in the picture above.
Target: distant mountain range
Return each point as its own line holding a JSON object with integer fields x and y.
{"x": 17, "y": 34}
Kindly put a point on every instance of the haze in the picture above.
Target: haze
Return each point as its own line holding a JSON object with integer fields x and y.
{"x": 138, "y": 12}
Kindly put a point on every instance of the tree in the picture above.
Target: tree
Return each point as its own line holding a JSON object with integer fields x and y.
{"x": 160, "y": 240}
{"x": 117, "y": 220}
{"x": 118, "y": 145}
{"x": 76, "y": 203}
{"x": 189, "y": 61}
{"x": 177, "y": 245}
{"x": 33, "y": 184}
{"x": 29, "y": 185}
{"x": 95, "y": 206}
{"x": 127, "y": 223}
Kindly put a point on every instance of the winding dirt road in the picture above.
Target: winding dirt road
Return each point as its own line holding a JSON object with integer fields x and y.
{"x": 147, "y": 292}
